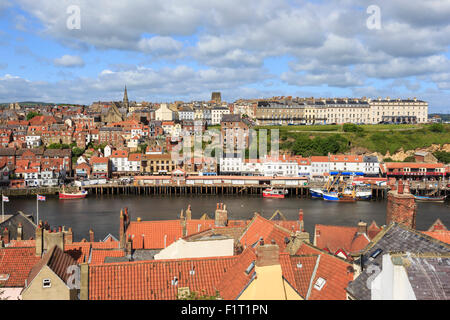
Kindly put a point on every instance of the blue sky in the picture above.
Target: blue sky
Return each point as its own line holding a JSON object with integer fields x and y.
{"x": 166, "y": 50}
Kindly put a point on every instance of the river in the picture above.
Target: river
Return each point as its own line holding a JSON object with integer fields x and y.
{"x": 101, "y": 213}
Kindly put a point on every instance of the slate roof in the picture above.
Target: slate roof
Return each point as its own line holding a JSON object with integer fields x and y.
{"x": 28, "y": 226}
{"x": 394, "y": 238}
{"x": 429, "y": 276}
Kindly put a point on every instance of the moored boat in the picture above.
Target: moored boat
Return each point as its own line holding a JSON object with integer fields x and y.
{"x": 74, "y": 195}
{"x": 339, "y": 197}
{"x": 316, "y": 193}
{"x": 275, "y": 193}
{"x": 429, "y": 199}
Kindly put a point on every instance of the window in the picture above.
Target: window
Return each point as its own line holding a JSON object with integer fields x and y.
{"x": 320, "y": 282}
{"x": 46, "y": 283}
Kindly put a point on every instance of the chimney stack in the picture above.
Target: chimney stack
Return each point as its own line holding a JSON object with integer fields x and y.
{"x": 91, "y": 235}
{"x": 19, "y": 231}
{"x": 362, "y": 227}
{"x": 300, "y": 219}
{"x": 68, "y": 237}
{"x": 400, "y": 187}
{"x": 121, "y": 230}
{"x": 401, "y": 208}
{"x": 221, "y": 216}
{"x": 6, "y": 236}
{"x": 39, "y": 240}
{"x": 267, "y": 255}
{"x": 188, "y": 213}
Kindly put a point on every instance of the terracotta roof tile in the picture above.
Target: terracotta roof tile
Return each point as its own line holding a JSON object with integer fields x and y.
{"x": 17, "y": 263}
{"x": 156, "y": 280}
{"x": 98, "y": 255}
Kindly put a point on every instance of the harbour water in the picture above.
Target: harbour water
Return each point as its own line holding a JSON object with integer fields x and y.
{"x": 101, "y": 213}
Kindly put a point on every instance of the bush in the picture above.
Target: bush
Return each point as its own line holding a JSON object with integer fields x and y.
{"x": 410, "y": 159}
{"x": 442, "y": 156}
{"x": 32, "y": 114}
{"x": 351, "y": 127}
{"x": 437, "y": 127}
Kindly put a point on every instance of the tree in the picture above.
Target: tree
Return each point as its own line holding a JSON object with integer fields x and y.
{"x": 442, "y": 156}
{"x": 32, "y": 114}
{"x": 142, "y": 147}
{"x": 77, "y": 151}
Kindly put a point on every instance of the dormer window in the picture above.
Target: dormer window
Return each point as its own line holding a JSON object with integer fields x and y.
{"x": 320, "y": 282}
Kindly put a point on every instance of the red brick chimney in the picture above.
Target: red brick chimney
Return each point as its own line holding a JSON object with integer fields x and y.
{"x": 6, "y": 236}
{"x": 400, "y": 187}
{"x": 300, "y": 219}
{"x": 401, "y": 208}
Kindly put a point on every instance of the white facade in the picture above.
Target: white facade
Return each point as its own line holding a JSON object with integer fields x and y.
{"x": 164, "y": 113}
{"x": 319, "y": 168}
{"x": 182, "y": 249}
{"x": 280, "y": 168}
{"x": 231, "y": 165}
{"x": 391, "y": 283}
{"x": 217, "y": 113}
{"x": 33, "y": 141}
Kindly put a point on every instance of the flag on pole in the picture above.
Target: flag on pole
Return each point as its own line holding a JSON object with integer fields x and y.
{"x": 41, "y": 198}
{"x": 5, "y": 199}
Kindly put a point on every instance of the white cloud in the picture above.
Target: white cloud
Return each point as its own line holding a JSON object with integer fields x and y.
{"x": 69, "y": 61}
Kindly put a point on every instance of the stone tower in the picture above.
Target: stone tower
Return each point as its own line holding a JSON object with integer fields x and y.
{"x": 125, "y": 100}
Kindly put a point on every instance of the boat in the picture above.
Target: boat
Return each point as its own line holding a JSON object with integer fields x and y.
{"x": 317, "y": 193}
{"x": 429, "y": 199}
{"x": 72, "y": 195}
{"x": 339, "y": 197}
{"x": 275, "y": 193}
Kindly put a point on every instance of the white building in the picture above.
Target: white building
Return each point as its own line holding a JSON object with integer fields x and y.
{"x": 371, "y": 166}
{"x": 347, "y": 163}
{"x": 33, "y": 141}
{"x": 319, "y": 166}
{"x": 217, "y": 113}
{"x": 164, "y": 113}
{"x": 231, "y": 164}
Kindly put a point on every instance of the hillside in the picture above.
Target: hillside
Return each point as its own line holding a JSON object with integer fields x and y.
{"x": 381, "y": 139}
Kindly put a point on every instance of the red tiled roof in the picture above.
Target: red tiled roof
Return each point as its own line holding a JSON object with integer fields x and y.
{"x": 260, "y": 227}
{"x": 236, "y": 279}
{"x": 98, "y": 255}
{"x": 17, "y": 263}
{"x": 22, "y": 243}
{"x": 334, "y": 238}
{"x": 441, "y": 235}
{"x": 334, "y": 270}
{"x": 156, "y": 280}
{"x": 153, "y": 234}
{"x": 79, "y": 251}
{"x": 298, "y": 270}
{"x": 399, "y": 165}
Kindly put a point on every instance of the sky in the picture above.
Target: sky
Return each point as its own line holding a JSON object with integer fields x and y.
{"x": 80, "y": 51}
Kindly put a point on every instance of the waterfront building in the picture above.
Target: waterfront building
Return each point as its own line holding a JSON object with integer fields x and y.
{"x": 158, "y": 164}
{"x": 234, "y": 133}
{"x": 101, "y": 168}
{"x": 413, "y": 170}
{"x": 371, "y": 166}
{"x": 319, "y": 166}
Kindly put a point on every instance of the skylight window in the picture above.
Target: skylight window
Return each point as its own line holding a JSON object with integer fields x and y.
{"x": 4, "y": 276}
{"x": 375, "y": 254}
{"x": 320, "y": 282}
{"x": 175, "y": 281}
{"x": 250, "y": 268}
{"x": 299, "y": 265}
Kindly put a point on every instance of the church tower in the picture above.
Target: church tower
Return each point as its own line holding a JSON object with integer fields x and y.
{"x": 125, "y": 100}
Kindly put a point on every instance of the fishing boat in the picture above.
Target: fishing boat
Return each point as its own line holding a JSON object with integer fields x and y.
{"x": 275, "y": 193}
{"x": 429, "y": 199}
{"x": 317, "y": 193}
{"x": 339, "y": 197}
{"x": 72, "y": 195}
